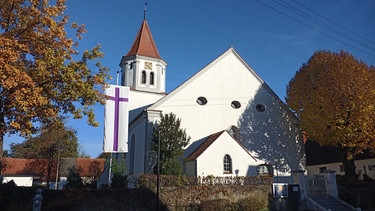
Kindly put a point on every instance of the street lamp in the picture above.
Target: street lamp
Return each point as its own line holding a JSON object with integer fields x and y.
{"x": 276, "y": 160}
{"x": 158, "y": 176}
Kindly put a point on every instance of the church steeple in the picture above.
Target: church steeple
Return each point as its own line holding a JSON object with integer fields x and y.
{"x": 142, "y": 67}
{"x": 144, "y": 43}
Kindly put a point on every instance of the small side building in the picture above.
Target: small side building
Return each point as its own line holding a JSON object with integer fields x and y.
{"x": 33, "y": 172}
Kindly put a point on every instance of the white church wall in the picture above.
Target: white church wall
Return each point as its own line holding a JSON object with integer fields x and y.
{"x": 221, "y": 82}
{"x": 144, "y": 157}
{"x": 139, "y": 100}
{"x": 227, "y": 79}
{"x": 211, "y": 161}
{"x": 137, "y": 132}
{"x": 272, "y": 135}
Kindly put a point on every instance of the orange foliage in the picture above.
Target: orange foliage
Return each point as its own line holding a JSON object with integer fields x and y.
{"x": 39, "y": 77}
{"x": 333, "y": 94}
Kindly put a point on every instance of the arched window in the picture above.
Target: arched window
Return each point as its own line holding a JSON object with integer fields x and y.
{"x": 265, "y": 170}
{"x": 152, "y": 76}
{"x": 132, "y": 154}
{"x": 227, "y": 164}
{"x": 143, "y": 77}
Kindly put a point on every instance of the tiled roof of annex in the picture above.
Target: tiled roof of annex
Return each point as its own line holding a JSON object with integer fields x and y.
{"x": 207, "y": 142}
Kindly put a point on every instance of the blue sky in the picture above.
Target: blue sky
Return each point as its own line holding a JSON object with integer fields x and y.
{"x": 274, "y": 40}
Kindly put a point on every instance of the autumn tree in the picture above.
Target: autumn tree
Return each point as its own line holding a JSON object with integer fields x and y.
{"x": 40, "y": 75}
{"x": 333, "y": 94}
{"x": 173, "y": 140}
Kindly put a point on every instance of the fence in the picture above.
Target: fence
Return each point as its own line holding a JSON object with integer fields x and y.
{"x": 316, "y": 185}
{"x": 149, "y": 181}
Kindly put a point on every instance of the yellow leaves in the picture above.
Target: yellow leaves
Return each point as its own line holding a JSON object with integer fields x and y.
{"x": 15, "y": 125}
{"x": 38, "y": 76}
{"x": 334, "y": 95}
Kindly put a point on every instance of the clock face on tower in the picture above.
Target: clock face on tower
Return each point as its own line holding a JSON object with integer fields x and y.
{"x": 148, "y": 65}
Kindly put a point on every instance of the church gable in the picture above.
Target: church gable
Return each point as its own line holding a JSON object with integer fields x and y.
{"x": 220, "y": 154}
{"x": 215, "y": 97}
{"x": 227, "y": 95}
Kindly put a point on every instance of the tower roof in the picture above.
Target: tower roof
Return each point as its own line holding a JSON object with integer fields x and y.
{"x": 144, "y": 43}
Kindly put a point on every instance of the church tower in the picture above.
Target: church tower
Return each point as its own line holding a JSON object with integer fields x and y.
{"x": 142, "y": 67}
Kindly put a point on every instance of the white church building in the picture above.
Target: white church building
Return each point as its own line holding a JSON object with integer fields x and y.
{"x": 237, "y": 124}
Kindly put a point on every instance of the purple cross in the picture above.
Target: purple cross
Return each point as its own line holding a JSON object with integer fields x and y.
{"x": 117, "y": 100}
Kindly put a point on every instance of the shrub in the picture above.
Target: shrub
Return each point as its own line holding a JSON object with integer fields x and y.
{"x": 74, "y": 178}
{"x": 250, "y": 204}
{"x": 217, "y": 204}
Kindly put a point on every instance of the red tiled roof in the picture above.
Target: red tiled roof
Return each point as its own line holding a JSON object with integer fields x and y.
{"x": 144, "y": 43}
{"x": 89, "y": 166}
{"x": 18, "y": 166}
{"x": 206, "y": 143}
{"x": 201, "y": 148}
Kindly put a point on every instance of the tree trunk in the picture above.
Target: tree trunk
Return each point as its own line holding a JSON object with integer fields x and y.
{"x": 1, "y": 151}
{"x": 2, "y": 133}
{"x": 348, "y": 164}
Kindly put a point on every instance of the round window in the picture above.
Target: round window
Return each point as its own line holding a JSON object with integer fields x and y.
{"x": 235, "y": 104}
{"x": 201, "y": 101}
{"x": 260, "y": 107}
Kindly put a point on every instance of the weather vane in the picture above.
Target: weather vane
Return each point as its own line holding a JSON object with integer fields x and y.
{"x": 144, "y": 11}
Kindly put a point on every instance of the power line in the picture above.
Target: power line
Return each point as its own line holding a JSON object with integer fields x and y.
{"x": 321, "y": 23}
{"x": 346, "y": 29}
{"x": 313, "y": 28}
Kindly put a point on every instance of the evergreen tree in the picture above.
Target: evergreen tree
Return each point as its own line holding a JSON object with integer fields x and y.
{"x": 173, "y": 140}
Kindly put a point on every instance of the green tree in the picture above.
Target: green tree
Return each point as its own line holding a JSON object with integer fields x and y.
{"x": 119, "y": 178}
{"x": 47, "y": 143}
{"x": 173, "y": 139}
{"x": 74, "y": 178}
{"x": 55, "y": 141}
{"x": 40, "y": 75}
{"x": 333, "y": 94}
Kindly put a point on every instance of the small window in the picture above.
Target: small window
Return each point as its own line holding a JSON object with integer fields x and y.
{"x": 152, "y": 75}
{"x": 227, "y": 164}
{"x": 260, "y": 107}
{"x": 265, "y": 170}
{"x": 322, "y": 169}
{"x": 143, "y": 77}
{"x": 130, "y": 65}
{"x": 202, "y": 101}
{"x": 235, "y": 104}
